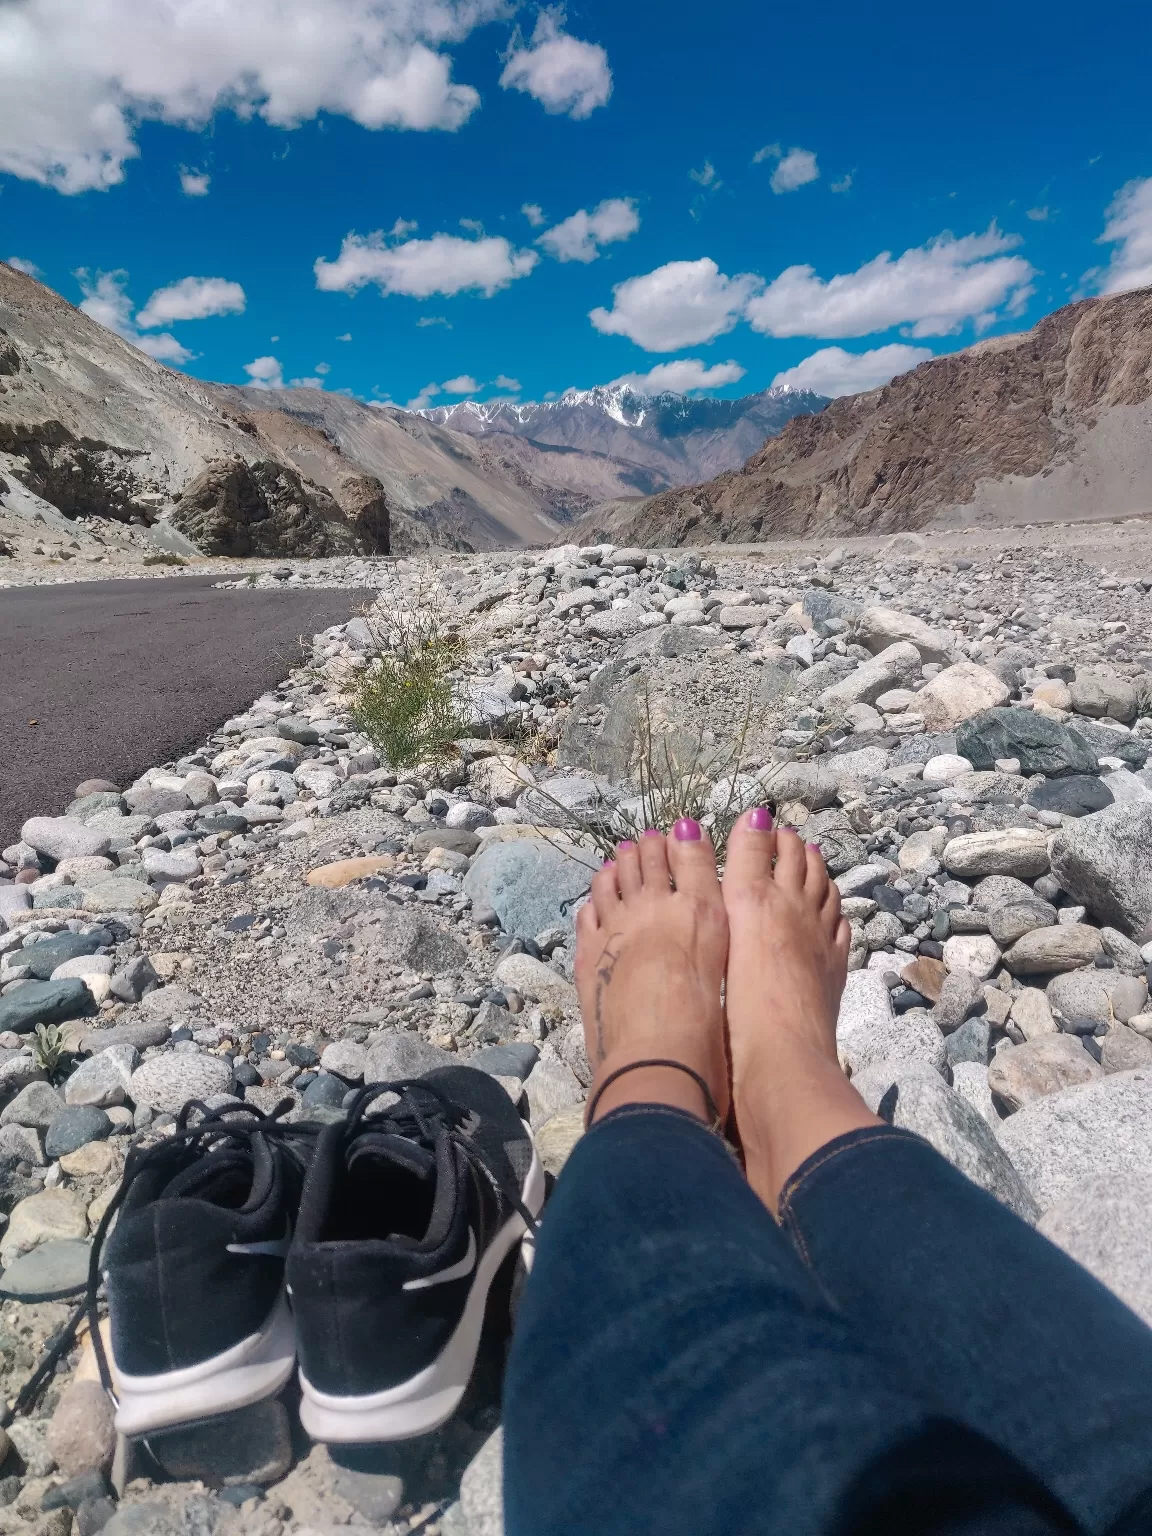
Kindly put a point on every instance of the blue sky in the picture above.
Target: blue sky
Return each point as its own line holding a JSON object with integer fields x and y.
{"x": 736, "y": 174}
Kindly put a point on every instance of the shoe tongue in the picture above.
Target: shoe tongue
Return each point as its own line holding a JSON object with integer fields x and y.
{"x": 395, "y": 1151}
{"x": 225, "y": 1178}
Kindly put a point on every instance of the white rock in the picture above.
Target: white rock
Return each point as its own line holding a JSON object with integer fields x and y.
{"x": 1014, "y": 851}
{"x": 945, "y": 769}
{"x": 975, "y": 952}
{"x": 868, "y": 1032}
{"x": 959, "y": 692}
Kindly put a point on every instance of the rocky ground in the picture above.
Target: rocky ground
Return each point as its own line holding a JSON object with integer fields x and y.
{"x": 280, "y": 915}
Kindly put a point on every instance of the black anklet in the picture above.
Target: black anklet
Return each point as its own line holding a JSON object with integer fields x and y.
{"x": 717, "y": 1126}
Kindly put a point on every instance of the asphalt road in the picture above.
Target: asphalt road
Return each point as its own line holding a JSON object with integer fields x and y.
{"x": 104, "y": 679}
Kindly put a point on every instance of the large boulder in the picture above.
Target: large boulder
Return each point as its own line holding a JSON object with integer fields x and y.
{"x": 878, "y": 628}
{"x": 683, "y": 687}
{"x": 1105, "y": 861}
{"x": 64, "y": 837}
{"x": 921, "y": 1102}
{"x": 956, "y": 694}
{"x": 898, "y": 666}
{"x": 1040, "y": 745}
{"x": 264, "y": 508}
{"x": 1106, "y": 1225}
{"x": 1062, "y": 1140}
{"x": 1100, "y": 693}
{"x": 531, "y": 884}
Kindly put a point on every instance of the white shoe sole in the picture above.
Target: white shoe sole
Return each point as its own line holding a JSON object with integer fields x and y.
{"x": 428, "y": 1399}
{"x": 255, "y": 1368}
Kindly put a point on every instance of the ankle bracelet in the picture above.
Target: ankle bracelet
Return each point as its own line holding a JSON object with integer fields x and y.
{"x": 717, "y": 1125}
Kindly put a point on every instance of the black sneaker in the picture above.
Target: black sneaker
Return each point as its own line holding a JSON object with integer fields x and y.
{"x": 194, "y": 1268}
{"x": 405, "y": 1218}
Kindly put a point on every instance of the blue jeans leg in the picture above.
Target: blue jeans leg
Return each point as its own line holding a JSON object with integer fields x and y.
{"x": 978, "y": 1316}
{"x": 675, "y": 1370}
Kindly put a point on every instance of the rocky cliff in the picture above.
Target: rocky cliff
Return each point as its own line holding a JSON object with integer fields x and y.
{"x": 94, "y": 428}
{"x": 1054, "y": 424}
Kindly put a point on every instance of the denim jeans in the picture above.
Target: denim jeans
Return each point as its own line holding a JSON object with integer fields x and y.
{"x": 899, "y": 1354}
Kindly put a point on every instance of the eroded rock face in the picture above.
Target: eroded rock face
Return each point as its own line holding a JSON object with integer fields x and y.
{"x": 365, "y": 506}
{"x": 234, "y": 508}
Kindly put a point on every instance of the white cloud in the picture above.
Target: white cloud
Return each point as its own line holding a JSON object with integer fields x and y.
{"x": 427, "y": 320}
{"x": 264, "y": 373}
{"x": 502, "y": 381}
{"x": 473, "y": 226}
{"x": 29, "y": 268}
{"x": 933, "y": 289}
{"x": 1038, "y": 215}
{"x": 706, "y": 176}
{"x": 446, "y": 264}
{"x": 1129, "y": 228}
{"x": 796, "y": 169}
{"x": 77, "y": 77}
{"x": 832, "y": 371}
{"x": 769, "y": 152}
{"x": 323, "y": 368}
{"x": 463, "y": 384}
{"x": 424, "y": 399}
{"x": 561, "y": 72}
{"x": 682, "y": 376}
{"x": 579, "y": 237}
{"x": 106, "y": 301}
{"x": 534, "y": 214}
{"x": 194, "y": 183}
{"x": 312, "y": 381}
{"x": 843, "y": 185}
{"x": 192, "y": 298}
{"x": 678, "y": 305}
{"x": 347, "y": 336}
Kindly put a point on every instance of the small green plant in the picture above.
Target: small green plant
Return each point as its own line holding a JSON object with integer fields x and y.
{"x": 165, "y": 558}
{"x": 406, "y": 700}
{"x": 49, "y": 1049}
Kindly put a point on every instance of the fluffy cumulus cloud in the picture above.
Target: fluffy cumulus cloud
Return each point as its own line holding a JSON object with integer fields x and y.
{"x": 561, "y": 72}
{"x": 29, "y": 268}
{"x": 502, "y": 381}
{"x": 579, "y": 237}
{"x": 832, "y": 371}
{"x": 192, "y": 298}
{"x": 106, "y": 301}
{"x": 194, "y": 183}
{"x": 77, "y": 77}
{"x": 445, "y": 264}
{"x": 1129, "y": 229}
{"x": 265, "y": 373}
{"x": 683, "y": 376}
{"x": 678, "y": 305}
{"x": 933, "y": 290}
{"x": 462, "y": 384}
{"x": 534, "y": 214}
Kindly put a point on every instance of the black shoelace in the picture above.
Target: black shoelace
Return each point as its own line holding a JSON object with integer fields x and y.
{"x": 217, "y": 1129}
{"x": 420, "y": 1114}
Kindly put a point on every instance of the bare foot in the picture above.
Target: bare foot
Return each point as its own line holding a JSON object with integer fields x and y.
{"x": 788, "y": 959}
{"x": 651, "y": 946}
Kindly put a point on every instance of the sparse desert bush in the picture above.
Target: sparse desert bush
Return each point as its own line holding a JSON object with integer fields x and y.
{"x": 406, "y": 700}
{"x": 165, "y": 558}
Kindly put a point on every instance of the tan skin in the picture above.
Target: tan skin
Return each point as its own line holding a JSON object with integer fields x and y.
{"x": 656, "y": 942}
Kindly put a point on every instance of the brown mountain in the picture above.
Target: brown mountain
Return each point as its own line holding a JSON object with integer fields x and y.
{"x": 1053, "y": 424}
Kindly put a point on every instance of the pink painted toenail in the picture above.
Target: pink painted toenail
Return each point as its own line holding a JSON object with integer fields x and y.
{"x": 608, "y": 864}
{"x": 815, "y": 847}
{"x": 686, "y": 830}
{"x": 627, "y": 843}
{"x": 652, "y": 832}
{"x": 760, "y": 819}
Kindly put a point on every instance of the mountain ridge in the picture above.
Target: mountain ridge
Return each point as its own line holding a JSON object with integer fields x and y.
{"x": 1050, "y": 424}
